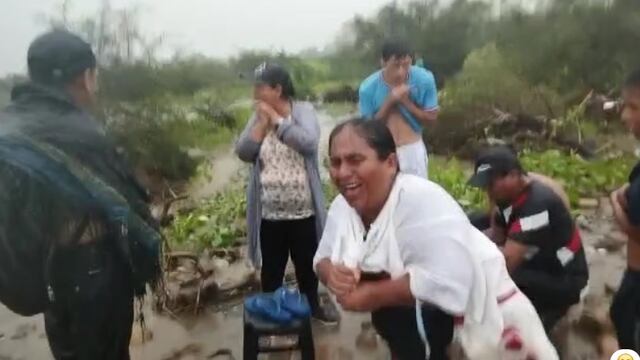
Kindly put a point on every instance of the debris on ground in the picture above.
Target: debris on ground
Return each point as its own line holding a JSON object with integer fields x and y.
{"x": 587, "y": 330}
{"x": 588, "y": 203}
{"x": 612, "y": 242}
{"x": 193, "y": 281}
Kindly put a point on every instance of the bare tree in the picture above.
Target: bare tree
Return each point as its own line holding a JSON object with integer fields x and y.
{"x": 115, "y": 34}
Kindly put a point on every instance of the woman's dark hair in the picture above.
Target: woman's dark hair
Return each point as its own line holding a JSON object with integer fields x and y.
{"x": 274, "y": 75}
{"x": 375, "y": 133}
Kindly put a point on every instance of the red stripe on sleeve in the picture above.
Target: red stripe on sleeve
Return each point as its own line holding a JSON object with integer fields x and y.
{"x": 575, "y": 242}
{"x": 515, "y": 227}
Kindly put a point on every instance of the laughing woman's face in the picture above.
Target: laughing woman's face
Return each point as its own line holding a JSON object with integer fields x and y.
{"x": 359, "y": 174}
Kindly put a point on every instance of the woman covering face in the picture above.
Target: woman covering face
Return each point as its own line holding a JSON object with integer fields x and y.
{"x": 285, "y": 204}
{"x": 400, "y": 247}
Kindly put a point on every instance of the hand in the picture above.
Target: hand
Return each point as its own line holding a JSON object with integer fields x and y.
{"x": 400, "y": 93}
{"x": 266, "y": 111}
{"x": 262, "y": 120}
{"x": 341, "y": 280}
{"x": 273, "y": 120}
{"x": 358, "y": 300}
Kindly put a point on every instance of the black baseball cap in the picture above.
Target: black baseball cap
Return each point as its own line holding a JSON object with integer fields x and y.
{"x": 492, "y": 163}
{"x": 58, "y": 56}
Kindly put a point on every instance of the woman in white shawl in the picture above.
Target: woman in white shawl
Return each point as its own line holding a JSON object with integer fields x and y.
{"x": 394, "y": 242}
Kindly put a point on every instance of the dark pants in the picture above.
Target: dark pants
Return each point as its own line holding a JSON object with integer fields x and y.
{"x": 92, "y": 313}
{"x": 480, "y": 220}
{"x": 625, "y": 311}
{"x": 398, "y": 327}
{"x": 278, "y": 239}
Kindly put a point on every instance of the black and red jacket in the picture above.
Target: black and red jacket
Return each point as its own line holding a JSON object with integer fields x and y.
{"x": 555, "y": 269}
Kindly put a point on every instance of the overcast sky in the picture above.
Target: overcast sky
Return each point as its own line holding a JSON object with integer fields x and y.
{"x": 212, "y": 27}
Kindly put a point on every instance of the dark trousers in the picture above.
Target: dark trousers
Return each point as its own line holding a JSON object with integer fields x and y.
{"x": 92, "y": 313}
{"x": 278, "y": 239}
{"x": 398, "y": 327}
{"x": 625, "y": 311}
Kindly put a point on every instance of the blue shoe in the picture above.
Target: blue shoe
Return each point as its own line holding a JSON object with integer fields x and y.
{"x": 294, "y": 302}
{"x": 267, "y": 307}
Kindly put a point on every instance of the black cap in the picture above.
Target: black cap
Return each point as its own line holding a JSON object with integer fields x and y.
{"x": 272, "y": 75}
{"x": 57, "y": 57}
{"x": 494, "y": 162}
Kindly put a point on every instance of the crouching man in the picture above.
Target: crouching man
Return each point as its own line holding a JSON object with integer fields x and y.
{"x": 532, "y": 224}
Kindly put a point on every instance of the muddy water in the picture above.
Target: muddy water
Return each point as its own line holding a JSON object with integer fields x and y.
{"x": 223, "y": 167}
{"x": 213, "y": 331}
{"x": 201, "y": 336}
{"x": 196, "y": 338}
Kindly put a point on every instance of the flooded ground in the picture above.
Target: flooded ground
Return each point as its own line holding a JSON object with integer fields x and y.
{"x": 213, "y": 329}
{"x": 216, "y": 330}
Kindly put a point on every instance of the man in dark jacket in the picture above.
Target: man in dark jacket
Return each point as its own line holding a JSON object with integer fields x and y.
{"x": 100, "y": 241}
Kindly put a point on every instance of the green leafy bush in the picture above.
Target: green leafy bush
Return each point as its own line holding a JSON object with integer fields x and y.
{"x": 488, "y": 80}
{"x": 157, "y": 136}
{"x": 580, "y": 178}
{"x": 219, "y": 222}
{"x": 452, "y": 175}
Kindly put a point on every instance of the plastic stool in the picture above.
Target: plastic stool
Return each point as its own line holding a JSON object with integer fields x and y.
{"x": 256, "y": 327}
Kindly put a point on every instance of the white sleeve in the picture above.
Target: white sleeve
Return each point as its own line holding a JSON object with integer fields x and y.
{"x": 439, "y": 266}
{"x": 431, "y": 239}
{"x": 329, "y": 234}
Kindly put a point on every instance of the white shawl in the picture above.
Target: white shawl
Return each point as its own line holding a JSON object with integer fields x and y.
{"x": 430, "y": 220}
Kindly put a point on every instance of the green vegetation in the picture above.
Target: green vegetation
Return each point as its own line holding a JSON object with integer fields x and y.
{"x": 579, "y": 177}
{"x": 536, "y": 57}
{"x": 569, "y": 46}
{"x": 218, "y": 222}
{"x": 157, "y": 136}
{"x": 452, "y": 175}
{"x": 486, "y": 81}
